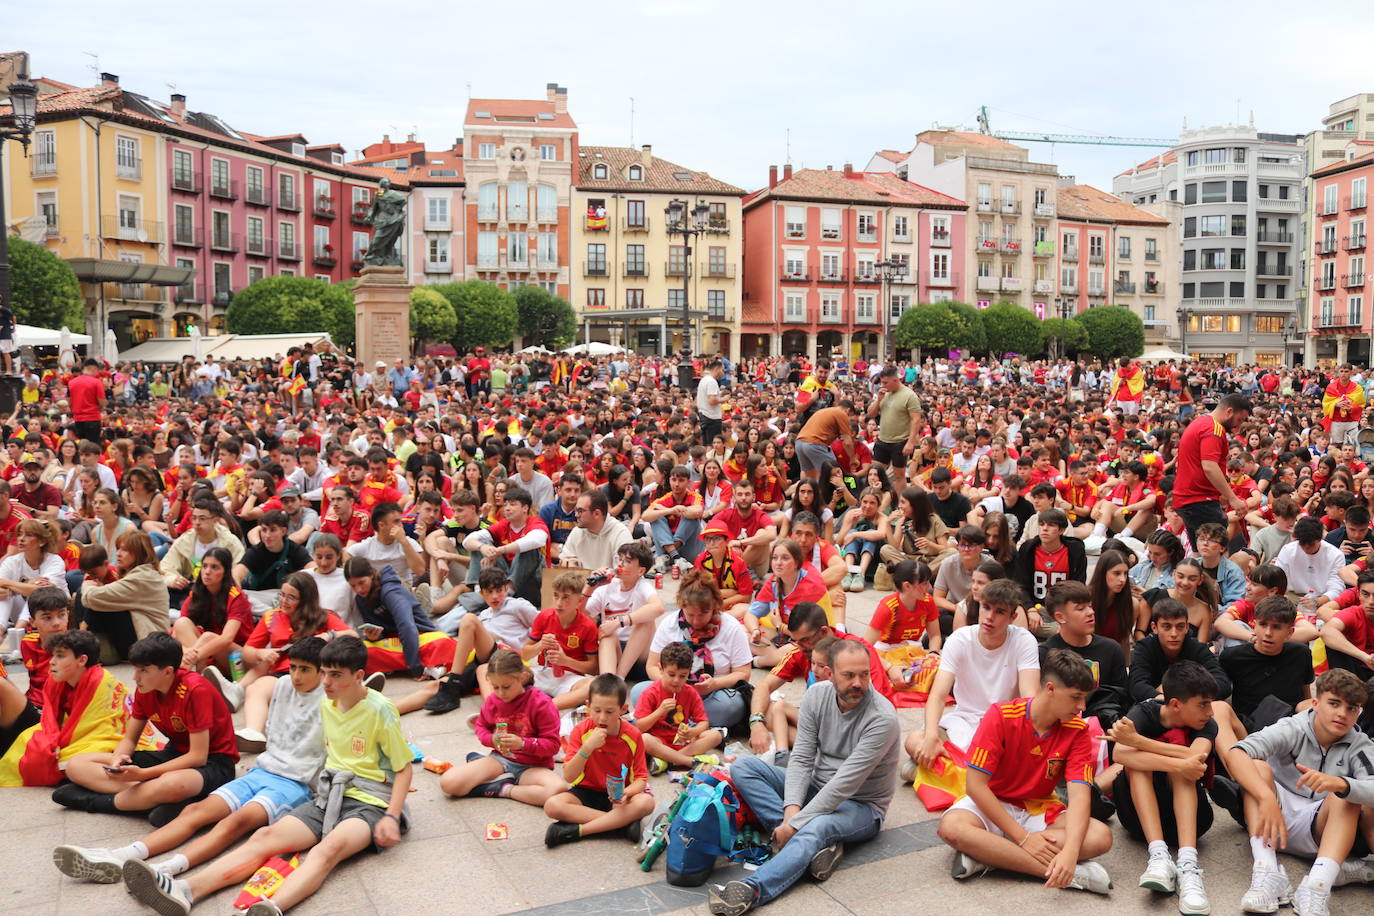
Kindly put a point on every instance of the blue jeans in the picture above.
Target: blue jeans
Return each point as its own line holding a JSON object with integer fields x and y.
{"x": 688, "y": 532}
{"x": 724, "y": 708}
{"x": 761, "y": 785}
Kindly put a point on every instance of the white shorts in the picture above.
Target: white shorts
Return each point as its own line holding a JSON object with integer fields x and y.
{"x": 960, "y": 725}
{"x": 1031, "y": 822}
{"x": 1299, "y": 816}
{"x": 552, "y": 685}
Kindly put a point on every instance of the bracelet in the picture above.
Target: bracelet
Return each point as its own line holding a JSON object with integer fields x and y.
{"x": 393, "y": 817}
{"x": 756, "y": 719}
{"x": 1023, "y": 840}
{"x": 583, "y": 754}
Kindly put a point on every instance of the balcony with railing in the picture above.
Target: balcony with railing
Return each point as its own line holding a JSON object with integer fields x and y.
{"x": 186, "y": 180}
{"x": 1044, "y": 286}
{"x": 1124, "y": 288}
{"x": 1154, "y": 288}
{"x": 987, "y": 285}
{"x": 829, "y": 274}
{"x": 1324, "y": 247}
{"x": 1265, "y": 237}
{"x": 358, "y": 215}
{"x": 1151, "y": 257}
{"x": 865, "y": 273}
{"x": 591, "y": 269}
{"x": 986, "y": 206}
{"x": 718, "y": 271}
{"x": 222, "y": 297}
{"x": 134, "y": 292}
{"x": 324, "y": 257}
{"x": 225, "y": 190}
{"x": 438, "y": 267}
{"x": 130, "y": 168}
{"x": 986, "y": 244}
{"x": 490, "y": 213}
{"x": 516, "y": 265}
{"x": 718, "y": 225}
{"x": 127, "y": 229}
{"x": 1327, "y": 208}
{"x": 438, "y": 223}
{"x": 1070, "y": 255}
{"x": 593, "y": 222}
{"x": 1043, "y": 249}
{"x": 866, "y": 235}
{"x": 1278, "y": 203}
{"x": 188, "y": 293}
{"x": 50, "y": 227}
{"x": 188, "y": 237}
{"x": 1333, "y": 319}
{"x": 635, "y": 270}
{"x": 1353, "y": 281}
{"x": 258, "y": 247}
{"x": 940, "y": 280}
{"x": 288, "y": 200}
{"x": 546, "y": 214}
{"x": 43, "y": 165}
{"x": 1009, "y": 207}
{"x": 288, "y": 251}
{"x": 939, "y": 238}
{"x": 1353, "y": 242}
{"x": 324, "y": 207}
{"x": 225, "y": 241}
{"x": 1044, "y": 211}
{"x": 1273, "y": 270}
{"x": 355, "y": 263}
{"x": 1011, "y": 246}
{"x": 795, "y": 275}
{"x": 1098, "y": 258}
{"x": 677, "y": 269}
{"x": 1327, "y": 283}
{"x": 1012, "y": 284}
{"x": 257, "y": 196}
{"x": 1355, "y": 202}
{"x": 1069, "y": 286}
{"x": 636, "y": 224}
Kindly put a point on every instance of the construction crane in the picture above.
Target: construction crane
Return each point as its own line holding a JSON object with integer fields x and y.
{"x": 986, "y": 128}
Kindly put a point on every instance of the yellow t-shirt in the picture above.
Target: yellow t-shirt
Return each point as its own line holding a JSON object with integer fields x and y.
{"x": 366, "y": 740}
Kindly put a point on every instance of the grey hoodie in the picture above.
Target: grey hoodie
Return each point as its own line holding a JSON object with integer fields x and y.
{"x": 1293, "y": 740}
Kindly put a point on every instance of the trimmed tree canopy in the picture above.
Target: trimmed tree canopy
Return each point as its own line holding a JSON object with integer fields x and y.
{"x": 1113, "y": 331}
{"x": 293, "y": 305}
{"x": 45, "y": 291}
{"x": 933, "y": 327}
{"x": 486, "y": 315}
{"x": 431, "y": 315}
{"x": 543, "y": 318}
{"x": 972, "y": 335}
{"x": 1012, "y": 329}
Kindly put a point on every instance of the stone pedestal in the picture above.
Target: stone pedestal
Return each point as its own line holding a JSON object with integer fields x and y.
{"x": 381, "y": 301}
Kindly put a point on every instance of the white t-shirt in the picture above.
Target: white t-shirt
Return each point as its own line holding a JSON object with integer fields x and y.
{"x": 983, "y": 677}
{"x": 336, "y": 596}
{"x": 708, "y": 388}
{"x": 610, "y": 601}
{"x": 510, "y": 626}
{"x": 729, "y": 647}
{"x": 379, "y": 555}
{"x": 295, "y": 733}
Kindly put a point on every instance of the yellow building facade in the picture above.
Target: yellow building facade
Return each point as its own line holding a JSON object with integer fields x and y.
{"x": 631, "y": 275}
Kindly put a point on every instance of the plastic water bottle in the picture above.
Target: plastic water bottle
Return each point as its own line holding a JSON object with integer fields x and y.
{"x": 235, "y": 664}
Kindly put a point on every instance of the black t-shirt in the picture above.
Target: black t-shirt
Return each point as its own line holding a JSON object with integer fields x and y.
{"x": 952, "y": 511}
{"x": 1255, "y": 675}
{"x": 268, "y": 569}
{"x": 1022, "y": 511}
{"x": 1145, "y": 717}
{"x": 1108, "y": 701}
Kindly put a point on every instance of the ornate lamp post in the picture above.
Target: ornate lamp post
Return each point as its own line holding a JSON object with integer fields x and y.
{"x": 24, "y": 111}
{"x": 888, "y": 270}
{"x": 689, "y": 226}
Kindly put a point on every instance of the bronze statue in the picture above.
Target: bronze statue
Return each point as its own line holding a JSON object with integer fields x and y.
{"x": 387, "y": 218}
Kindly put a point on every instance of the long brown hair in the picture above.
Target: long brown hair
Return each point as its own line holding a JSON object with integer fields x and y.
{"x": 308, "y": 618}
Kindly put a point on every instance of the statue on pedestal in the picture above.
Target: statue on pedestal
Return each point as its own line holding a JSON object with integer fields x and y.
{"x": 387, "y": 217}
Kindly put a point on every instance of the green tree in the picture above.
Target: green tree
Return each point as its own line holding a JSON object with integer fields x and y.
{"x": 1062, "y": 336}
{"x": 486, "y": 315}
{"x": 44, "y": 290}
{"x": 1113, "y": 331}
{"x": 1012, "y": 329}
{"x": 972, "y": 334}
{"x": 287, "y": 305}
{"x": 543, "y": 318}
{"x": 431, "y": 316}
{"x": 933, "y": 326}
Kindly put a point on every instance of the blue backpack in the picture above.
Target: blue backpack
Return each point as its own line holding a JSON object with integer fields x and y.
{"x": 706, "y": 826}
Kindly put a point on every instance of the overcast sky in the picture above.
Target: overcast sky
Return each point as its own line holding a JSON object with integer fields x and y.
{"x": 718, "y": 85}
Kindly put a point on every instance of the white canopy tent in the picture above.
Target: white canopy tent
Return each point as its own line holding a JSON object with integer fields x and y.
{"x": 1162, "y": 355}
{"x": 595, "y": 348}
{"x": 27, "y": 336}
{"x": 223, "y": 347}
{"x": 535, "y": 349}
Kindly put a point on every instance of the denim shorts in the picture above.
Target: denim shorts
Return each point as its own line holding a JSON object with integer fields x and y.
{"x": 516, "y": 770}
{"x": 277, "y": 795}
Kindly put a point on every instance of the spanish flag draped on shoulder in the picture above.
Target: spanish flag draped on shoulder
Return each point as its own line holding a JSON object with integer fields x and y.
{"x": 1128, "y": 384}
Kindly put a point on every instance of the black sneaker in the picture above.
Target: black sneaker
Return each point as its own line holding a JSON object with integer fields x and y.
{"x": 1103, "y": 808}
{"x": 561, "y": 832}
{"x": 634, "y": 831}
{"x": 162, "y": 815}
{"x": 73, "y": 796}
{"x": 491, "y": 789}
{"x": 449, "y": 696}
{"x": 731, "y": 899}
{"x": 1225, "y": 793}
{"x": 824, "y": 862}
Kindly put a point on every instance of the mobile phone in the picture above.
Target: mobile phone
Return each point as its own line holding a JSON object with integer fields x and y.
{"x": 371, "y": 631}
{"x": 114, "y": 771}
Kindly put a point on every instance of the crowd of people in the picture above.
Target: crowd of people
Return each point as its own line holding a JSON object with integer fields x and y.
{"x": 1116, "y": 591}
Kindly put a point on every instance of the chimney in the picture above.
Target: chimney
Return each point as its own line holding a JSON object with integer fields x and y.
{"x": 849, "y": 170}
{"x": 772, "y": 176}
{"x": 386, "y": 139}
{"x": 646, "y": 155}
{"x": 109, "y": 79}
{"x": 178, "y": 104}
{"x": 551, "y": 90}
{"x": 410, "y": 138}
{"x": 787, "y": 172}
{"x": 560, "y": 99}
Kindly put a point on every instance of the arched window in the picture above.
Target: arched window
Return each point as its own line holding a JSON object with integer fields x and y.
{"x": 636, "y": 173}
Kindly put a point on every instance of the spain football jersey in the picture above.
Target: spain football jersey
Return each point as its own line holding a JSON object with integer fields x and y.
{"x": 1024, "y": 766}
{"x": 191, "y": 704}
{"x": 898, "y": 623}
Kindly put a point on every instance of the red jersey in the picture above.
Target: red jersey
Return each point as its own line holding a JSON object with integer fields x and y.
{"x": 1076, "y": 495}
{"x": 577, "y": 640}
{"x": 83, "y": 396}
{"x": 274, "y": 631}
{"x": 896, "y": 623}
{"x": 1050, "y": 475}
{"x": 1024, "y": 767}
{"x": 689, "y": 709}
{"x": 36, "y": 659}
{"x": 190, "y": 704}
{"x": 10, "y": 525}
{"x": 743, "y": 525}
{"x": 669, "y": 501}
{"x": 502, "y": 534}
{"x": 1356, "y": 627}
{"x": 863, "y": 455}
{"x": 1203, "y": 440}
{"x": 1051, "y": 568}
{"x": 373, "y": 492}
{"x": 355, "y": 528}
{"x": 769, "y": 488}
{"x": 733, "y": 573}
{"x": 238, "y": 607}
{"x": 1124, "y": 497}
{"x": 621, "y": 756}
{"x": 796, "y": 663}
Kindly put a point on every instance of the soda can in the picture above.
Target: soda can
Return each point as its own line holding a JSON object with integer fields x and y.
{"x": 677, "y": 572}
{"x": 658, "y": 581}
{"x": 235, "y": 665}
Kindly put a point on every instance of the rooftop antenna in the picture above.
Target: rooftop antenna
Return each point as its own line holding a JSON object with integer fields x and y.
{"x": 469, "y": 85}
{"x": 95, "y": 63}
{"x": 171, "y": 88}
{"x": 632, "y": 121}
{"x": 788, "y": 158}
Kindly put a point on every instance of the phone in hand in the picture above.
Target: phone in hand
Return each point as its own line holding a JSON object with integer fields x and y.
{"x": 113, "y": 771}
{"x": 370, "y": 631}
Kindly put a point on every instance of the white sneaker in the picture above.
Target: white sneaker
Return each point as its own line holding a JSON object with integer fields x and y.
{"x": 1090, "y": 877}
{"x": 1192, "y": 896}
{"x": 907, "y": 771}
{"x": 683, "y": 564}
{"x": 965, "y": 866}
{"x": 231, "y": 691}
{"x": 1310, "y": 900}
{"x": 1160, "y": 875}
{"x": 1269, "y": 889}
{"x": 1092, "y": 544}
{"x": 250, "y": 740}
{"x": 88, "y": 864}
{"x": 1355, "y": 871}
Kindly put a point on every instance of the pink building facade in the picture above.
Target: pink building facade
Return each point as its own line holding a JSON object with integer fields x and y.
{"x": 1339, "y": 310}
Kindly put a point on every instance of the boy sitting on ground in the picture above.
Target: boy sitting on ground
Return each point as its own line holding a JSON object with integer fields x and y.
{"x": 1168, "y": 643}
{"x": 671, "y": 715}
{"x": 561, "y": 646}
{"x": 1010, "y": 817}
{"x": 201, "y": 749}
{"x": 360, "y": 802}
{"x": 606, "y": 770}
{"x": 1164, "y": 746}
{"x": 1271, "y": 676}
{"x": 279, "y": 781}
{"x": 49, "y": 609}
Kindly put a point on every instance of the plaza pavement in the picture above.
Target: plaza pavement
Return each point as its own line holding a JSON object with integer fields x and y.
{"x": 446, "y": 866}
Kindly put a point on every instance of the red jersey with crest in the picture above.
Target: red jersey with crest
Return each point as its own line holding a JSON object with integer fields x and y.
{"x": 190, "y": 704}
{"x": 577, "y": 639}
{"x": 896, "y": 623}
{"x": 730, "y": 573}
{"x": 1076, "y": 495}
{"x": 1022, "y": 765}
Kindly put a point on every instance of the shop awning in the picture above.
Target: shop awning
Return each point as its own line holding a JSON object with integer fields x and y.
{"x": 97, "y": 270}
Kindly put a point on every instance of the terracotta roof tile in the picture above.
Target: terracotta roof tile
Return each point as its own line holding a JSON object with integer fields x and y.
{"x": 1153, "y": 162}
{"x": 1335, "y": 167}
{"x": 520, "y": 111}
{"x": 881, "y": 188}
{"x": 660, "y": 175}
{"x": 1086, "y": 203}
{"x": 891, "y": 155}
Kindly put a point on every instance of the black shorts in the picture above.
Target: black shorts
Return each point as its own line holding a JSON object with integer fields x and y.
{"x": 890, "y": 453}
{"x": 312, "y": 816}
{"x": 215, "y": 772}
{"x": 28, "y": 717}
{"x": 592, "y": 798}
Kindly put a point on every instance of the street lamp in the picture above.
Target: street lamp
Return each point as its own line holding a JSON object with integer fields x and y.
{"x": 890, "y": 269}
{"x": 678, "y": 223}
{"x": 24, "y": 111}
{"x": 1183, "y": 328}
